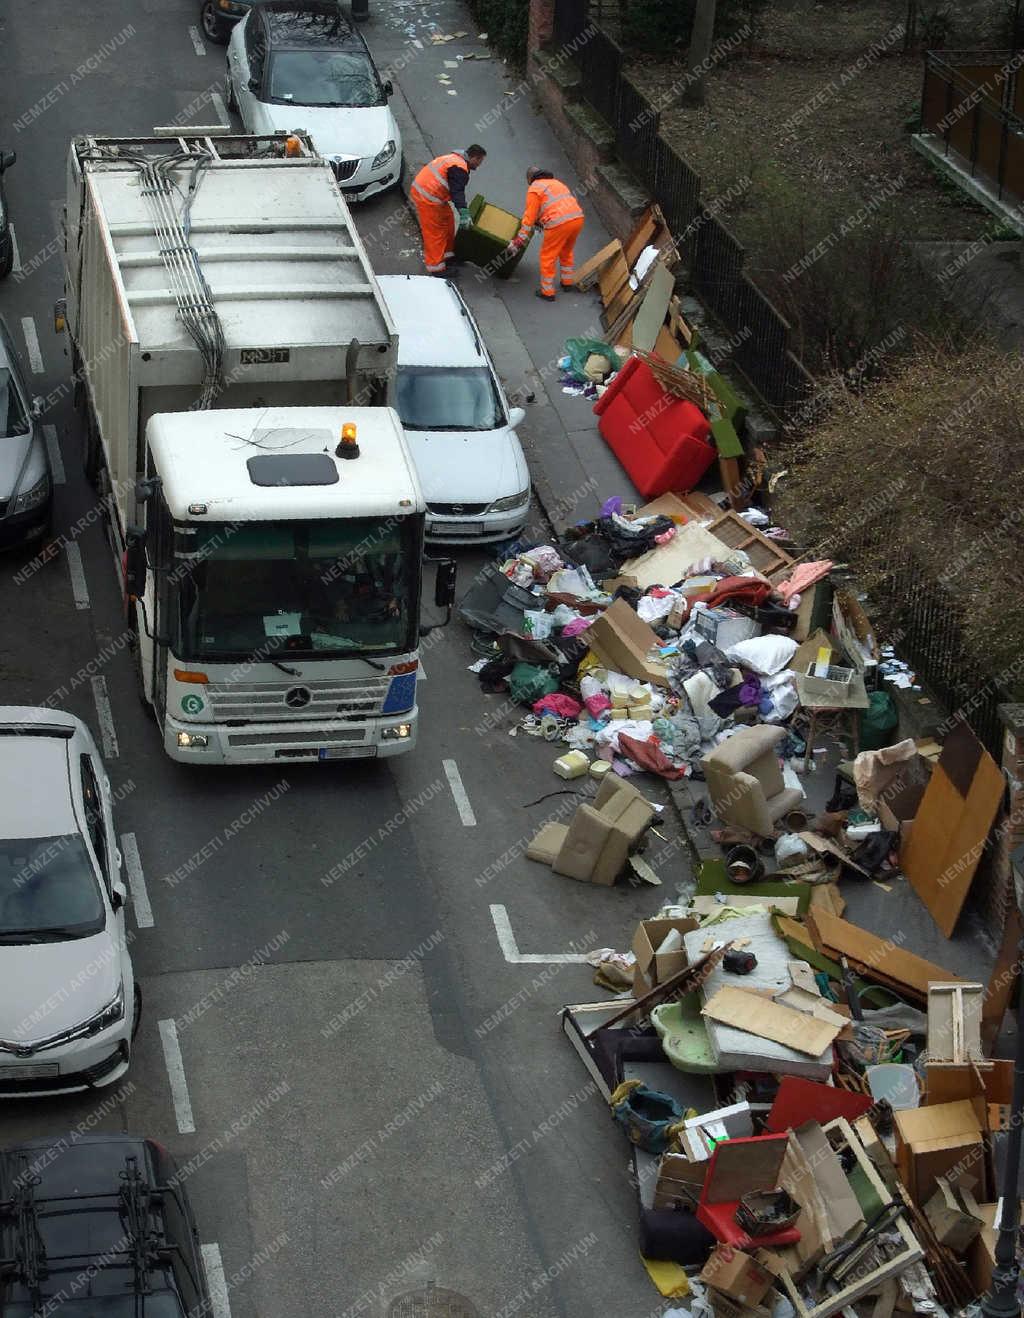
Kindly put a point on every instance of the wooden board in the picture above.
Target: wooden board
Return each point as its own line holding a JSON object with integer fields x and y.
{"x": 643, "y": 235}
{"x": 593, "y": 265}
{"x": 612, "y": 278}
{"x": 650, "y": 316}
{"x": 941, "y": 855}
{"x": 770, "y": 559}
{"x": 876, "y": 958}
{"x": 757, "y": 1015}
{"x": 827, "y": 897}
{"x": 954, "y": 1023}
{"x": 666, "y": 347}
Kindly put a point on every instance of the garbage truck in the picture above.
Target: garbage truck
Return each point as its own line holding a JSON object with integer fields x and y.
{"x": 235, "y": 362}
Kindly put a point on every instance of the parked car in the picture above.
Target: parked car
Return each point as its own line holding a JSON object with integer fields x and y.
{"x": 300, "y": 65}
{"x": 457, "y": 420}
{"x": 7, "y": 159}
{"x": 69, "y": 1004}
{"x": 97, "y": 1225}
{"x": 26, "y": 486}
{"x": 218, "y": 18}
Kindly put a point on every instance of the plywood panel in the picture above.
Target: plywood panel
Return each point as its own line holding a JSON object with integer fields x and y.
{"x": 875, "y": 957}
{"x": 651, "y": 315}
{"x": 949, "y": 833}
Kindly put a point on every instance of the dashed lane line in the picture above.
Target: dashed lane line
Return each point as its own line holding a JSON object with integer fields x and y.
{"x": 451, "y": 772}
{"x": 35, "y": 356}
{"x": 197, "y": 41}
{"x": 214, "y": 1265}
{"x": 176, "y": 1076}
{"x": 106, "y": 718}
{"x": 76, "y": 571}
{"x": 510, "y": 948}
{"x": 16, "y": 267}
{"x": 217, "y": 101}
{"x": 53, "y": 449}
{"x": 136, "y": 881}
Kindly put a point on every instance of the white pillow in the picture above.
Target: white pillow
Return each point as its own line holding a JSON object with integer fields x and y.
{"x": 764, "y": 655}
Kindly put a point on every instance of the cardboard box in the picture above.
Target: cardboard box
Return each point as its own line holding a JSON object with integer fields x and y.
{"x": 835, "y": 685}
{"x": 954, "y": 1215}
{"x": 679, "y": 1182}
{"x": 724, "y": 627}
{"x": 725, "y": 1306}
{"x": 737, "y": 1275}
{"x": 652, "y": 969}
{"x": 943, "y": 1140}
{"x": 622, "y": 641}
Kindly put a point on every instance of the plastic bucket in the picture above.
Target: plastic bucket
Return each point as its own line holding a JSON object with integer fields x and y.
{"x": 896, "y": 1083}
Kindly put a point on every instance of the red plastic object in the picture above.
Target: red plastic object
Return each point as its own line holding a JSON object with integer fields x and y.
{"x": 663, "y": 442}
{"x": 800, "y": 1100}
{"x": 739, "y": 1167}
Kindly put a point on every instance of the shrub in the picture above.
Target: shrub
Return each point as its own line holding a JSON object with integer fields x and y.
{"x": 506, "y": 23}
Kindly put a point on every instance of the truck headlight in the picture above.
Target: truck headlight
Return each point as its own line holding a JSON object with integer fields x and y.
{"x": 510, "y": 501}
{"x": 192, "y": 740}
{"x": 382, "y": 157}
{"x": 396, "y": 733}
{"x": 33, "y": 497}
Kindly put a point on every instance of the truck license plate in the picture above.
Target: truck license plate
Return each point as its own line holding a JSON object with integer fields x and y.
{"x": 342, "y": 752}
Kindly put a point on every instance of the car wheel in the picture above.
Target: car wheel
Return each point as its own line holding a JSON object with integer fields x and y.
{"x": 6, "y": 254}
{"x": 232, "y": 98}
{"x": 213, "y": 29}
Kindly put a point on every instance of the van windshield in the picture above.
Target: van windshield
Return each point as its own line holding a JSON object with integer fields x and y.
{"x": 448, "y": 398}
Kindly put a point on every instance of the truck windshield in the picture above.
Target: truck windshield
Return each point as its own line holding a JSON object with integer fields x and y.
{"x": 325, "y": 588}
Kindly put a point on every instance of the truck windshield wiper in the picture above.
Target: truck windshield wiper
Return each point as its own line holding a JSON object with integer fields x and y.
{"x": 292, "y": 672}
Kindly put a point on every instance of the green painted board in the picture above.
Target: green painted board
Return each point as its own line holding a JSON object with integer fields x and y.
{"x": 713, "y": 877}
{"x": 726, "y": 439}
{"x": 732, "y": 404}
{"x": 651, "y": 315}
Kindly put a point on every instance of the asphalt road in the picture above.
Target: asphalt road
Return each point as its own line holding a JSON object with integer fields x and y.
{"x": 370, "y": 1091}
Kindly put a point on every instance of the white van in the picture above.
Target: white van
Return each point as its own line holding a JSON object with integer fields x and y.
{"x": 458, "y": 423}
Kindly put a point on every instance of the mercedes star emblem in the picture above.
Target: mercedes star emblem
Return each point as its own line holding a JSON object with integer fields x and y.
{"x": 298, "y": 697}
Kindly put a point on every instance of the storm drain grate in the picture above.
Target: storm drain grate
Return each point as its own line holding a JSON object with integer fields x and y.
{"x": 432, "y": 1303}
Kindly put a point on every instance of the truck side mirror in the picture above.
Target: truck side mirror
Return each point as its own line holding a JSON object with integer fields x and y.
{"x": 444, "y": 584}
{"x": 135, "y": 562}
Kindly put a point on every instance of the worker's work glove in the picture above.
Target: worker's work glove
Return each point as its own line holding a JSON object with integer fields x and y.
{"x": 515, "y": 246}
{"x": 465, "y": 219}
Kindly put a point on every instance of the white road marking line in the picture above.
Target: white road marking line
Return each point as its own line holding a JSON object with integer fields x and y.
{"x": 77, "y": 573}
{"x": 421, "y": 673}
{"x": 53, "y": 448}
{"x": 176, "y": 1076}
{"x": 216, "y": 1281}
{"x": 106, "y": 717}
{"x": 197, "y": 41}
{"x": 510, "y": 948}
{"x": 136, "y": 881}
{"x": 451, "y": 772}
{"x": 217, "y": 101}
{"x": 16, "y": 267}
{"x": 35, "y": 356}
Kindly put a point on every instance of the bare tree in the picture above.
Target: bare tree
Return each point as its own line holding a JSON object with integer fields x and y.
{"x": 701, "y": 37}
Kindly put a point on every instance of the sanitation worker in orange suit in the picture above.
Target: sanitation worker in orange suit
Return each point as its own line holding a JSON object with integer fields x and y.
{"x": 435, "y": 190}
{"x": 551, "y": 207}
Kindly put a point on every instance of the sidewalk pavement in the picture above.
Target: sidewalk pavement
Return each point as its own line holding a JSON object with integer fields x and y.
{"x": 572, "y": 468}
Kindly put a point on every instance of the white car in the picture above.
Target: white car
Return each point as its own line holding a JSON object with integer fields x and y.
{"x": 68, "y": 1005}
{"x": 459, "y": 425}
{"x": 300, "y": 65}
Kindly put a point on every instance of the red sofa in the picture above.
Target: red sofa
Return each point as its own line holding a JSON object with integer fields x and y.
{"x": 663, "y": 442}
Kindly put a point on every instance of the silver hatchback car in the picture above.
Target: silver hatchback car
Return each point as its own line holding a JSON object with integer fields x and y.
{"x": 26, "y": 484}
{"x": 69, "y": 1002}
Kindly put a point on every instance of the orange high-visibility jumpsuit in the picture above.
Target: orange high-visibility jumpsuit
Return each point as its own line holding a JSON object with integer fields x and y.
{"x": 433, "y": 199}
{"x": 552, "y": 207}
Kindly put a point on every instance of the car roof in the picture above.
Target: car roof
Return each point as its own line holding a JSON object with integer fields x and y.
{"x": 308, "y": 24}
{"x": 35, "y": 786}
{"x": 435, "y": 327}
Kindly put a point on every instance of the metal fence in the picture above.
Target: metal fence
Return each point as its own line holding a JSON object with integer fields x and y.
{"x": 715, "y": 257}
{"x": 974, "y": 101}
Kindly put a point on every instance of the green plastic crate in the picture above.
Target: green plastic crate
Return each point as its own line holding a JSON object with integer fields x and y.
{"x": 484, "y": 243}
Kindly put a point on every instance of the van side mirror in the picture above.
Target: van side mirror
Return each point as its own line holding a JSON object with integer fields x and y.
{"x": 444, "y": 584}
{"x": 516, "y": 416}
{"x": 135, "y": 562}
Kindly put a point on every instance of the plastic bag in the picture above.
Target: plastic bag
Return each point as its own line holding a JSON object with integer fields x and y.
{"x": 537, "y": 623}
{"x": 877, "y": 721}
{"x": 578, "y": 350}
{"x": 528, "y": 682}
